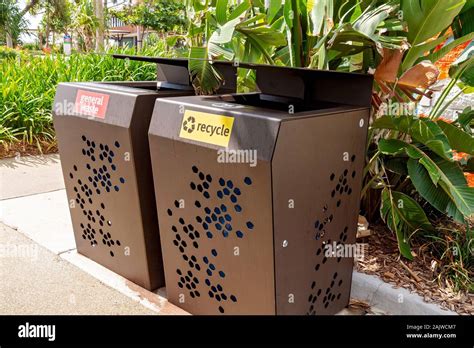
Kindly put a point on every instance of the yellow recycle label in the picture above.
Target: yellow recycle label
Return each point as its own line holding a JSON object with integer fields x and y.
{"x": 207, "y": 128}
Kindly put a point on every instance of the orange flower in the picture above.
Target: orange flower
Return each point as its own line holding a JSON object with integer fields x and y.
{"x": 448, "y": 32}
{"x": 470, "y": 179}
{"x": 458, "y": 156}
{"x": 447, "y": 120}
{"x": 445, "y": 63}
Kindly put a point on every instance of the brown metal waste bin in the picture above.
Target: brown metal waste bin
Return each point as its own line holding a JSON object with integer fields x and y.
{"x": 102, "y": 136}
{"x": 246, "y": 237}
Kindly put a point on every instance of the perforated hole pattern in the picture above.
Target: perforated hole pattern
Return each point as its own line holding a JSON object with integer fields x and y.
{"x": 101, "y": 178}
{"x": 326, "y": 235}
{"x": 330, "y": 294}
{"x": 218, "y": 200}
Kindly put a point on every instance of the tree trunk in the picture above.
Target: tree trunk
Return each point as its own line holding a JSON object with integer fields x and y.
{"x": 40, "y": 40}
{"x": 46, "y": 34}
{"x": 139, "y": 38}
{"x": 46, "y": 28}
{"x": 28, "y": 7}
{"x": 99, "y": 33}
{"x": 88, "y": 42}
{"x": 9, "y": 40}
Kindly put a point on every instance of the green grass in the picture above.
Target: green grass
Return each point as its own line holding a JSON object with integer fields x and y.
{"x": 28, "y": 85}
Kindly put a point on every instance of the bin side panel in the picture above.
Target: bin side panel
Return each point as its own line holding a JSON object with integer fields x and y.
{"x": 101, "y": 184}
{"x": 116, "y": 143}
{"x": 144, "y": 181}
{"x": 317, "y": 176}
{"x": 215, "y": 224}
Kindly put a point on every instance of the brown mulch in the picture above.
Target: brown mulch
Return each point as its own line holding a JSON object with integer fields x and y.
{"x": 383, "y": 259}
{"x": 22, "y": 148}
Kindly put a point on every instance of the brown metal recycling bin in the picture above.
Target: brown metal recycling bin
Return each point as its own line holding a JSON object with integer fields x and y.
{"x": 240, "y": 238}
{"x": 102, "y": 135}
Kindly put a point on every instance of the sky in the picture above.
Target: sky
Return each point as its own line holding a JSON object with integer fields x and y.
{"x": 33, "y": 22}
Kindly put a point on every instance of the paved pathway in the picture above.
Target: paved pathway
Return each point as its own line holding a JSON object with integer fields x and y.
{"x": 36, "y": 281}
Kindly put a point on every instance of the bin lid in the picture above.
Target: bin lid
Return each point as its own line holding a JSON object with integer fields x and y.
{"x": 312, "y": 85}
{"x": 308, "y": 85}
{"x": 173, "y": 72}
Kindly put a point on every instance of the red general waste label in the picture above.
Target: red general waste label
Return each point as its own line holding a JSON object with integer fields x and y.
{"x": 91, "y": 103}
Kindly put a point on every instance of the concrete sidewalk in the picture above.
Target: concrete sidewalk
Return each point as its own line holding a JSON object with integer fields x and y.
{"x": 36, "y": 281}
{"x": 37, "y": 174}
{"x": 41, "y": 272}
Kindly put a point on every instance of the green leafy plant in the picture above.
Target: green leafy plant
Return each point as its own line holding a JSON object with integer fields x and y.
{"x": 220, "y": 30}
{"x": 12, "y": 22}
{"x": 415, "y": 156}
{"x": 160, "y": 15}
{"x": 56, "y": 18}
{"x": 413, "y": 176}
{"x": 84, "y": 23}
{"x": 28, "y": 85}
{"x": 336, "y": 35}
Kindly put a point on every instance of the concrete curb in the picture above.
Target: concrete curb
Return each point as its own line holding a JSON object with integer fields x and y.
{"x": 392, "y": 300}
{"x": 154, "y": 301}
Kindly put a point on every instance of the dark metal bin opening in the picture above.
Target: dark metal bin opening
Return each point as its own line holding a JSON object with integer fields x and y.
{"x": 102, "y": 135}
{"x": 239, "y": 238}
{"x": 274, "y": 103}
